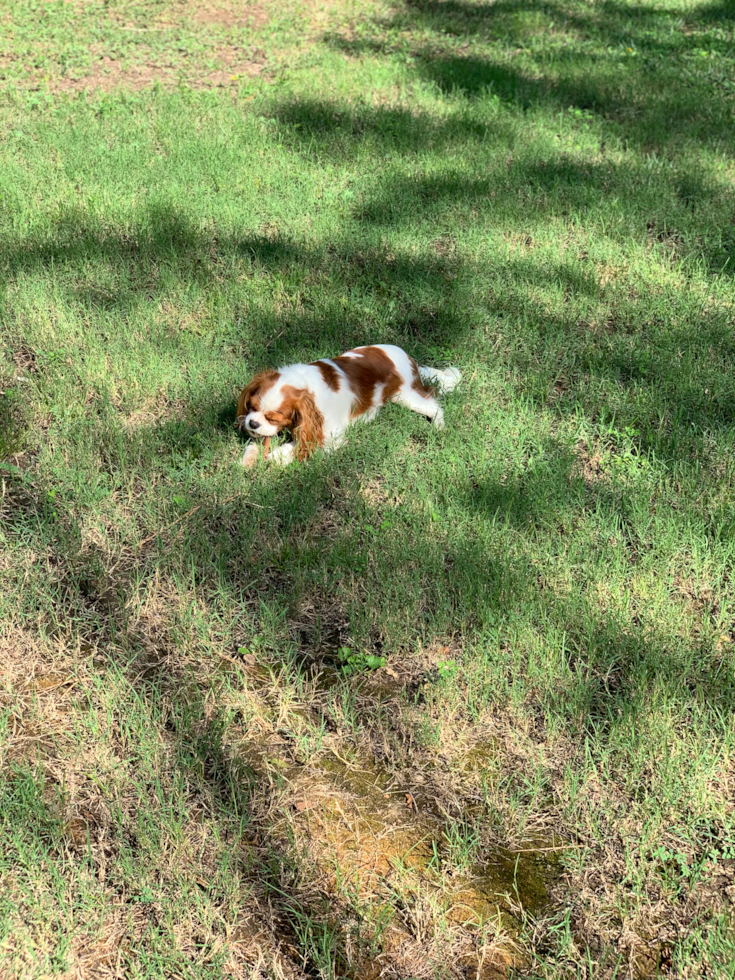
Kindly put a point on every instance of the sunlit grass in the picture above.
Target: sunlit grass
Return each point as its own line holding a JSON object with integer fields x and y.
{"x": 201, "y": 773}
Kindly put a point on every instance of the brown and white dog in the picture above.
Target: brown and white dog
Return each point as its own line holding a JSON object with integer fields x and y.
{"x": 317, "y": 402}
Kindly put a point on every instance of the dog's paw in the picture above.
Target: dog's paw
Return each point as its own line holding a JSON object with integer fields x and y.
{"x": 250, "y": 458}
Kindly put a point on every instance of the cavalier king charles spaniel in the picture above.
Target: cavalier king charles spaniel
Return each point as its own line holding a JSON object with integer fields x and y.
{"x": 318, "y": 401}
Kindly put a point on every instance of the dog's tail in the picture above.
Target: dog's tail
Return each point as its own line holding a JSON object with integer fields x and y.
{"x": 445, "y": 379}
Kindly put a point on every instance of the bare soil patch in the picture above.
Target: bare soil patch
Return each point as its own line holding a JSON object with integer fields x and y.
{"x": 110, "y": 74}
{"x": 230, "y": 15}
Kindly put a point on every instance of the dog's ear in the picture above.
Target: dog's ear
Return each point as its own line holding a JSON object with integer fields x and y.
{"x": 308, "y": 425}
{"x": 241, "y": 407}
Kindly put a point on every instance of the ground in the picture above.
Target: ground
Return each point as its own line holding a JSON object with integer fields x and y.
{"x": 442, "y": 704}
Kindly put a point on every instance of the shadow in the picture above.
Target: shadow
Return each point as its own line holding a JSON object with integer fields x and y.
{"x": 716, "y": 12}
{"x": 672, "y": 205}
{"x": 332, "y": 130}
{"x": 308, "y": 560}
{"x": 596, "y": 353}
{"x": 672, "y": 385}
{"x": 11, "y": 430}
{"x": 412, "y": 296}
{"x": 311, "y": 565}
{"x": 619, "y": 351}
{"x": 636, "y": 67}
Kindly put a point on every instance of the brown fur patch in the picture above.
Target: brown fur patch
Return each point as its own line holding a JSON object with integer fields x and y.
{"x": 279, "y": 418}
{"x": 250, "y": 397}
{"x": 306, "y": 421}
{"x": 392, "y": 386}
{"x": 417, "y": 384}
{"x": 365, "y": 373}
{"x": 328, "y": 373}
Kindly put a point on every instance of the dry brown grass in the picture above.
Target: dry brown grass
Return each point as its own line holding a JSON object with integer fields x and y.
{"x": 353, "y": 789}
{"x": 363, "y": 806}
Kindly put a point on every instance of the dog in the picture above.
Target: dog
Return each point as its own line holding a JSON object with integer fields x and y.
{"x": 317, "y": 402}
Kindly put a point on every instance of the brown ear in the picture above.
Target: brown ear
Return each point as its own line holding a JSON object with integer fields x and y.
{"x": 241, "y": 402}
{"x": 308, "y": 425}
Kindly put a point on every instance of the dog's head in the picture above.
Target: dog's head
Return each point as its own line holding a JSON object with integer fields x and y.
{"x": 257, "y": 413}
{"x": 268, "y": 406}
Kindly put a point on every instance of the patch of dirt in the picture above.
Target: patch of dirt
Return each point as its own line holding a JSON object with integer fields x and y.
{"x": 228, "y": 14}
{"x": 151, "y": 413}
{"x": 589, "y": 464}
{"x": 234, "y": 67}
{"x": 380, "y": 820}
{"x": 365, "y": 821}
{"x": 110, "y": 74}
{"x": 25, "y": 358}
{"x": 158, "y": 58}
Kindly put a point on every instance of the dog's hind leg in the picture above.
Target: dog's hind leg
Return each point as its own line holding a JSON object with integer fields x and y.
{"x": 445, "y": 379}
{"x": 423, "y": 404}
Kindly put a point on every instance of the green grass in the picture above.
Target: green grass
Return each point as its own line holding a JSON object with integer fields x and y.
{"x": 200, "y": 773}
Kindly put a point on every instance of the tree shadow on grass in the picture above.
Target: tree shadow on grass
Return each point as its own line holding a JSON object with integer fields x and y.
{"x": 651, "y": 196}
{"x": 636, "y": 348}
{"x": 656, "y": 362}
{"x": 663, "y": 100}
{"x": 311, "y": 541}
{"x": 615, "y": 658}
{"x": 334, "y": 286}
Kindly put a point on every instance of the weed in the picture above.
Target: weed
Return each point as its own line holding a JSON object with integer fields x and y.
{"x": 353, "y": 663}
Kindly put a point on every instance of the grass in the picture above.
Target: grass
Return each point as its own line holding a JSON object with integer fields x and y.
{"x": 442, "y": 704}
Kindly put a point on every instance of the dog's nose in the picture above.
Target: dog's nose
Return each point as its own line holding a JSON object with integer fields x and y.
{"x": 253, "y": 424}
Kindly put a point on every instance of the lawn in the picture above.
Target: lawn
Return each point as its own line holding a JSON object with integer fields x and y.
{"x": 440, "y": 704}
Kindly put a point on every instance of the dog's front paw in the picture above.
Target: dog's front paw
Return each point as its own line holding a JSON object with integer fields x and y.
{"x": 284, "y": 454}
{"x": 250, "y": 457}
